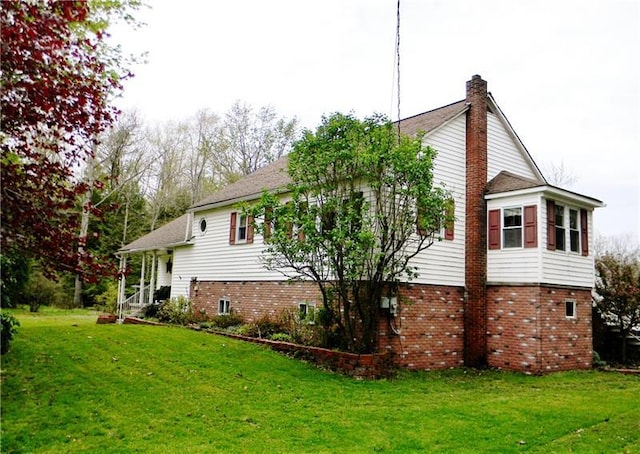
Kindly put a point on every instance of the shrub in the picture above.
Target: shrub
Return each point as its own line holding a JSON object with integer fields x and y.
{"x": 107, "y": 301}
{"x": 264, "y": 327}
{"x": 8, "y": 328}
{"x": 282, "y": 337}
{"x": 41, "y": 291}
{"x": 303, "y": 330}
{"x": 226, "y": 321}
{"x": 176, "y": 311}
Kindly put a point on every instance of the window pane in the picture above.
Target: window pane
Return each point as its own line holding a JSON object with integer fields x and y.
{"x": 574, "y": 237}
{"x": 573, "y": 219}
{"x": 559, "y": 216}
{"x": 513, "y": 237}
{"x": 513, "y": 217}
{"x": 560, "y": 240}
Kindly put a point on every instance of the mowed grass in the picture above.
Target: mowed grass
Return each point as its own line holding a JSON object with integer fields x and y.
{"x": 69, "y": 385}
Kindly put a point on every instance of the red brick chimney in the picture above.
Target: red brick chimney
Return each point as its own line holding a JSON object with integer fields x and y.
{"x": 475, "y": 320}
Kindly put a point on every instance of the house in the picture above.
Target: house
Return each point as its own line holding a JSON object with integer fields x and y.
{"x": 508, "y": 287}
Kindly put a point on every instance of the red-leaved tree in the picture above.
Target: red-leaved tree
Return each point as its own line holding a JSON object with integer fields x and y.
{"x": 57, "y": 81}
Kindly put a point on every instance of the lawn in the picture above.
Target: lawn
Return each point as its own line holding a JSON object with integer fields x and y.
{"x": 69, "y": 385}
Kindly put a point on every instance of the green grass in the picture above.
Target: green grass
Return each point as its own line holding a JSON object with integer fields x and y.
{"x": 69, "y": 385}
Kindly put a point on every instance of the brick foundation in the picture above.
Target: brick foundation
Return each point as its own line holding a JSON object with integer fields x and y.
{"x": 528, "y": 331}
{"x": 253, "y": 300}
{"x": 431, "y": 326}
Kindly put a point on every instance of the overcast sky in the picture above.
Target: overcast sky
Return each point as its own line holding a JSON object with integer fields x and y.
{"x": 565, "y": 73}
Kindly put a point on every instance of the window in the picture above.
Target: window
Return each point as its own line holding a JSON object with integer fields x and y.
{"x": 240, "y": 228}
{"x": 223, "y": 306}
{"x": 303, "y": 310}
{"x": 570, "y": 308}
{"x": 560, "y": 231}
{"x": 567, "y": 229}
{"x": 574, "y": 231}
{"x": 513, "y": 227}
{"x": 241, "y": 235}
{"x": 444, "y": 224}
{"x": 512, "y": 230}
{"x": 203, "y": 225}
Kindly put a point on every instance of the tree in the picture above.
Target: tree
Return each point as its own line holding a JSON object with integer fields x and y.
{"x": 119, "y": 162}
{"x": 363, "y": 204}
{"x": 58, "y": 76}
{"x": 618, "y": 289}
{"x": 254, "y": 139}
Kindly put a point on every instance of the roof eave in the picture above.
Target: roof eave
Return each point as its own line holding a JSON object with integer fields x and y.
{"x": 552, "y": 191}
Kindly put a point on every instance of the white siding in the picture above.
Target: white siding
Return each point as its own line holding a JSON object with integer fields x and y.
{"x": 539, "y": 265}
{"x": 443, "y": 262}
{"x": 515, "y": 265}
{"x": 181, "y": 276}
{"x": 503, "y": 152}
{"x": 162, "y": 276}
{"x": 564, "y": 267}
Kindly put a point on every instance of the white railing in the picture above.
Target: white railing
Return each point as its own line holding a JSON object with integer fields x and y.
{"x": 135, "y": 302}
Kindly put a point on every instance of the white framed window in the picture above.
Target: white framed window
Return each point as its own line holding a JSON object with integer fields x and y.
{"x": 574, "y": 231}
{"x": 224, "y": 306}
{"x": 241, "y": 229}
{"x": 560, "y": 229}
{"x": 512, "y": 227}
{"x": 203, "y": 226}
{"x": 303, "y": 309}
{"x": 570, "y": 308}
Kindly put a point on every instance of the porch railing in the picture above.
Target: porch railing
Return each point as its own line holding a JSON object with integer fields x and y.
{"x": 135, "y": 302}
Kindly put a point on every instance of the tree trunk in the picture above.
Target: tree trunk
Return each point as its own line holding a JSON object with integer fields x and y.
{"x": 84, "y": 229}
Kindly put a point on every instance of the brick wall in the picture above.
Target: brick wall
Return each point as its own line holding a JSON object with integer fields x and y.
{"x": 431, "y": 318}
{"x": 528, "y": 330}
{"x": 253, "y": 300}
{"x": 431, "y": 325}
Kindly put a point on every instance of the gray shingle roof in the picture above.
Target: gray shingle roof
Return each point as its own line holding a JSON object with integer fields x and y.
{"x": 428, "y": 121}
{"x": 270, "y": 177}
{"x": 506, "y": 181}
{"x": 170, "y": 234}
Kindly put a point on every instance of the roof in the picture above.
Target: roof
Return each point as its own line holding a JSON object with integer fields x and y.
{"x": 432, "y": 119}
{"x": 506, "y": 181}
{"x": 275, "y": 176}
{"x": 270, "y": 177}
{"x": 171, "y": 234}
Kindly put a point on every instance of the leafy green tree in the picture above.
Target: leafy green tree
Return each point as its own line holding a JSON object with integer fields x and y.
{"x": 362, "y": 204}
{"x": 618, "y": 291}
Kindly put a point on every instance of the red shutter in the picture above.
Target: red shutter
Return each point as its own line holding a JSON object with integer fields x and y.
{"x": 531, "y": 226}
{"x": 551, "y": 225}
{"x": 267, "y": 223}
{"x": 449, "y": 226}
{"x": 232, "y": 228}
{"x": 494, "y": 229}
{"x": 584, "y": 232}
{"x": 249, "y": 229}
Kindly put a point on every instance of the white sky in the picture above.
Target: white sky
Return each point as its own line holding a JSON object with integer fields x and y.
{"x": 566, "y": 73}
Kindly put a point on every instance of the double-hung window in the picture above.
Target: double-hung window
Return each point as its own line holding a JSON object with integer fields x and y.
{"x": 574, "y": 231}
{"x": 240, "y": 228}
{"x": 513, "y": 227}
{"x": 560, "y": 230}
{"x": 512, "y": 230}
{"x": 567, "y": 229}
